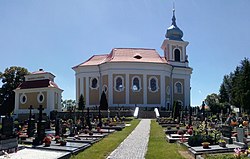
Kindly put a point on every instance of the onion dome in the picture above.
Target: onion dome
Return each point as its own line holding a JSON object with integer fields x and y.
{"x": 173, "y": 32}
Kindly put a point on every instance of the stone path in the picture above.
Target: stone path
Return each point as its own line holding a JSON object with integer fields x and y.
{"x": 135, "y": 145}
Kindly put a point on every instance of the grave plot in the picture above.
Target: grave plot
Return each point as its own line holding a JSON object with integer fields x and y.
{"x": 171, "y": 138}
{"x": 199, "y": 150}
{"x": 71, "y": 147}
{"x": 83, "y": 140}
{"x": 30, "y": 153}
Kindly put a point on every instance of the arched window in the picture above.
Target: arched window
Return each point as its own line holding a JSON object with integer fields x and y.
{"x": 136, "y": 84}
{"x": 94, "y": 83}
{"x": 153, "y": 84}
{"x": 177, "y": 55}
{"x": 119, "y": 84}
{"x": 178, "y": 88}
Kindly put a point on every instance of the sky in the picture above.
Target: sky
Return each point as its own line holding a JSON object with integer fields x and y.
{"x": 56, "y": 35}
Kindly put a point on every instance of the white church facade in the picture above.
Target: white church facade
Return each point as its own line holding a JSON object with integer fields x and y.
{"x": 138, "y": 76}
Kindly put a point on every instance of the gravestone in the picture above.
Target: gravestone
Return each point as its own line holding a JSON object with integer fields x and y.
{"x": 40, "y": 128}
{"x": 88, "y": 120}
{"x": 7, "y": 127}
{"x": 227, "y": 133}
{"x": 240, "y": 134}
{"x": 31, "y": 124}
{"x": 58, "y": 127}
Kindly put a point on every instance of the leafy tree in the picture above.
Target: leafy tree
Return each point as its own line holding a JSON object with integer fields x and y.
{"x": 81, "y": 103}
{"x": 212, "y": 101}
{"x": 103, "y": 102}
{"x": 11, "y": 78}
{"x": 69, "y": 104}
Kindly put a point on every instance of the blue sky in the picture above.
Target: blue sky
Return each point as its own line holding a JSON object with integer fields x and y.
{"x": 58, "y": 34}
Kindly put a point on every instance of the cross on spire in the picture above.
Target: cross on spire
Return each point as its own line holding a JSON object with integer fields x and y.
{"x": 173, "y": 18}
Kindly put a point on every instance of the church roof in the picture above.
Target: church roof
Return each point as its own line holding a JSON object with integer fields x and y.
{"x": 125, "y": 55}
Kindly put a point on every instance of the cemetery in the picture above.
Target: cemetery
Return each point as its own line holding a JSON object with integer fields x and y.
{"x": 195, "y": 130}
{"x": 59, "y": 138}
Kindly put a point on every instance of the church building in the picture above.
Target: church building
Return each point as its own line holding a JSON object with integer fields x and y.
{"x": 138, "y": 76}
{"x": 38, "y": 88}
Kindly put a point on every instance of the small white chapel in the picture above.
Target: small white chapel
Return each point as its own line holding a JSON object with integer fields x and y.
{"x": 38, "y": 88}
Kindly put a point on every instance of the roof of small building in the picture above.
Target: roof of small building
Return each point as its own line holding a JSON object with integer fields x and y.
{"x": 37, "y": 84}
{"x": 125, "y": 55}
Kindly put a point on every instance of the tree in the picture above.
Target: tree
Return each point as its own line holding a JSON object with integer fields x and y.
{"x": 103, "y": 102}
{"x": 235, "y": 89}
{"x": 224, "y": 90}
{"x": 81, "y": 103}
{"x": 69, "y": 104}
{"x": 212, "y": 101}
{"x": 11, "y": 78}
{"x": 176, "y": 113}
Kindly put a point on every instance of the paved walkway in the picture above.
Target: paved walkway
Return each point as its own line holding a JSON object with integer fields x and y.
{"x": 135, "y": 145}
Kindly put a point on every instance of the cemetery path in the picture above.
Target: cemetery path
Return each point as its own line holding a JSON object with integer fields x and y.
{"x": 135, "y": 145}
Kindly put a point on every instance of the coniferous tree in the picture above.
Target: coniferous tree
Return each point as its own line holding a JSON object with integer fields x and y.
{"x": 81, "y": 103}
{"x": 103, "y": 102}
{"x": 235, "y": 89}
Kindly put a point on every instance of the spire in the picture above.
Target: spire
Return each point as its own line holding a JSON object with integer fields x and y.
{"x": 173, "y": 32}
{"x": 173, "y": 18}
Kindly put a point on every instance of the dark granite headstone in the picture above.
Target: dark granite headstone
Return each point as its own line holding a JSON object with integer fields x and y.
{"x": 31, "y": 128}
{"x": 58, "y": 127}
{"x": 7, "y": 126}
{"x": 226, "y": 131}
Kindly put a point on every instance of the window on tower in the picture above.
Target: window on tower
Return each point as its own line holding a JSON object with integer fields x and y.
{"x": 177, "y": 55}
{"x": 178, "y": 88}
{"x": 94, "y": 83}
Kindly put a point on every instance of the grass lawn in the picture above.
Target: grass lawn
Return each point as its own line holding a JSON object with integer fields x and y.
{"x": 103, "y": 148}
{"x": 158, "y": 147}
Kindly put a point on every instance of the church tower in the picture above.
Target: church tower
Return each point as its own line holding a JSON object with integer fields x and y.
{"x": 174, "y": 46}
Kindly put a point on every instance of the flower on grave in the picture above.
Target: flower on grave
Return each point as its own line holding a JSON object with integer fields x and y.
{"x": 57, "y": 138}
{"x": 47, "y": 140}
{"x": 190, "y": 131}
{"x": 237, "y": 153}
{"x": 245, "y": 123}
{"x": 63, "y": 142}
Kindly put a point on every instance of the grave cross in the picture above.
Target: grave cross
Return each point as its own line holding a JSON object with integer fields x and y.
{"x": 29, "y": 131}
{"x": 40, "y": 127}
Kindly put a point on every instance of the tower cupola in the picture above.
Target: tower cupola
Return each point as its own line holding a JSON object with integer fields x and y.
{"x": 173, "y": 32}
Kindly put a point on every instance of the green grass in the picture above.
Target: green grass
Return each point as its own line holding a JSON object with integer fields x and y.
{"x": 103, "y": 148}
{"x": 158, "y": 147}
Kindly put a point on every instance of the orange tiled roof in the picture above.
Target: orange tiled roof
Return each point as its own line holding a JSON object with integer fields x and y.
{"x": 125, "y": 55}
